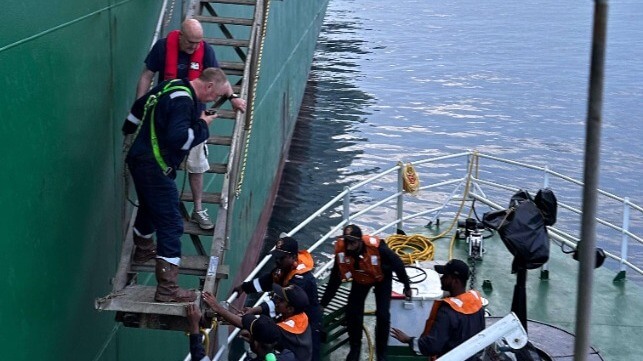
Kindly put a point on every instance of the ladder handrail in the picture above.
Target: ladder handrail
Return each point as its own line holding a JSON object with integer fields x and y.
{"x": 222, "y": 224}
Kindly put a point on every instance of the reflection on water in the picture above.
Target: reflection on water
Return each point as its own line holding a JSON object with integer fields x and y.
{"x": 413, "y": 79}
{"x": 325, "y": 142}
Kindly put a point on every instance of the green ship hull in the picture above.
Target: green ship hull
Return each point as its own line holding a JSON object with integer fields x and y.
{"x": 70, "y": 71}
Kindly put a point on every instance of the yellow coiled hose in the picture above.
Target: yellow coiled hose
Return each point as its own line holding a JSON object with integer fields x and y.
{"x": 411, "y": 248}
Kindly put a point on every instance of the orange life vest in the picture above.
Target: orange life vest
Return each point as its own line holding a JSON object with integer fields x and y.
{"x": 296, "y": 324}
{"x": 467, "y": 303}
{"x": 303, "y": 264}
{"x": 370, "y": 262}
{"x": 172, "y": 58}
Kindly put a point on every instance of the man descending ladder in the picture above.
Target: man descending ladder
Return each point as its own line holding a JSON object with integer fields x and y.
{"x": 168, "y": 124}
{"x": 161, "y": 307}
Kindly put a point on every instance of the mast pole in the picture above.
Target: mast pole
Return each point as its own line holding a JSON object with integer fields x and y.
{"x": 587, "y": 254}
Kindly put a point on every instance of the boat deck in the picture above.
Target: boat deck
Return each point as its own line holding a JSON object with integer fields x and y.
{"x": 617, "y": 311}
{"x": 617, "y": 306}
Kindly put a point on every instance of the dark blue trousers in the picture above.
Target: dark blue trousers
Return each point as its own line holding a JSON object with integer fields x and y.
{"x": 158, "y": 209}
{"x": 355, "y": 317}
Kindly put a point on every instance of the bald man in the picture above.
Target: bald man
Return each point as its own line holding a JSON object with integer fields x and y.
{"x": 184, "y": 54}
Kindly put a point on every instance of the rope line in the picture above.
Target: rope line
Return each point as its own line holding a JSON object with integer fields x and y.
{"x": 242, "y": 173}
{"x": 411, "y": 248}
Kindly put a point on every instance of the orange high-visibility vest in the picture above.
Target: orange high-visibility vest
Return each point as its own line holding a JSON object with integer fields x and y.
{"x": 370, "y": 262}
{"x": 304, "y": 264}
{"x": 296, "y": 324}
{"x": 467, "y": 303}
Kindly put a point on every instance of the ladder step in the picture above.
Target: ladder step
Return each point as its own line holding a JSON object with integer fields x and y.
{"x": 227, "y": 42}
{"x": 190, "y": 265}
{"x": 140, "y": 299}
{"x": 226, "y": 114}
{"x": 193, "y": 228}
{"x": 219, "y": 140}
{"x": 235, "y": 2}
{"x": 207, "y": 197}
{"x": 222, "y": 20}
{"x": 217, "y": 168}
{"x": 232, "y": 67}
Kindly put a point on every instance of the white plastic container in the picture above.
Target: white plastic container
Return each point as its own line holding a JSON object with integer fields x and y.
{"x": 410, "y": 315}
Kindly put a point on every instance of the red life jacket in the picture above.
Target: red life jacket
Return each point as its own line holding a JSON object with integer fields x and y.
{"x": 172, "y": 49}
{"x": 467, "y": 303}
{"x": 370, "y": 263}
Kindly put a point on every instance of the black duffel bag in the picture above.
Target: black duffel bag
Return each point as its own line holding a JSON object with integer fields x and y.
{"x": 522, "y": 229}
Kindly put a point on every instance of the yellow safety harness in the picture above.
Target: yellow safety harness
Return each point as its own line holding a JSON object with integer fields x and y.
{"x": 150, "y": 106}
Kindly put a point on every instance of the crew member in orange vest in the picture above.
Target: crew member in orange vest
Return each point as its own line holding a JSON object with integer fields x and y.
{"x": 293, "y": 267}
{"x": 367, "y": 262}
{"x": 452, "y": 320}
{"x": 261, "y": 332}
{"x": 290, "y": 303}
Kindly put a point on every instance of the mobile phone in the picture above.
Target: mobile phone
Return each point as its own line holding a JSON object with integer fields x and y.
{"x": 211, "y": 111}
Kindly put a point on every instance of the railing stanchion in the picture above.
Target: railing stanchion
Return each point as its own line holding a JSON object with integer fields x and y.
{"x": 544, "y": 270}
{"x": 625, "y": 239}
{"x": 347, "y": 205}
{"x": 546, "y": 177}
{"x": 400, "y": 197}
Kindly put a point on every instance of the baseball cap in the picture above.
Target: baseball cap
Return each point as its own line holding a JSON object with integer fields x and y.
{"x": 286, "y": 246}
{"x": 293, "y": 294}
{"x": 352, "y": 233}
{"x": 454, "y": 267}
{"x": 261, "y": 327}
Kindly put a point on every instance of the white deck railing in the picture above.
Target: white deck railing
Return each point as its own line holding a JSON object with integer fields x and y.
{"x": 450, "y": 181}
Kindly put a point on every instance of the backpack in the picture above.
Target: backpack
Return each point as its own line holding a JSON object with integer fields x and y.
{"x": 522, "y": 227}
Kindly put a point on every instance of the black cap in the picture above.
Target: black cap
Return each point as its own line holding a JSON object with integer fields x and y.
{"x": 261, "y": 327}
{"x": 352, "y": 233}
{"x": 454, "y": 267}
{"x": 286, "y": 246}
{"x": 294, "y": 295}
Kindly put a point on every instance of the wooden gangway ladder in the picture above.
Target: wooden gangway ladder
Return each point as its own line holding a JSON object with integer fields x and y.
{"x": 133, "y": 302}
